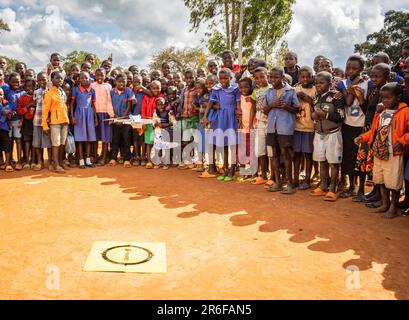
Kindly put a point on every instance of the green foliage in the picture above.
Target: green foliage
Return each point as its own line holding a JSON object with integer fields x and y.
{"x": 77, "y": 57}
{"x": 389, "y": 38}
{"x": 279, "y": 55}
{"x": 11, "y": 63}
{"x": 265, "y": 23}
{"x": 179, "y": 59}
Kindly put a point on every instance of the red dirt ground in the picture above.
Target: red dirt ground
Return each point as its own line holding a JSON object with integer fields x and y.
{"x": 224, "y": 241}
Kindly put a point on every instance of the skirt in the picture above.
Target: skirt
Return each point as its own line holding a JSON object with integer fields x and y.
{"x": 84, "y": 129}
{"x": 104, "y": 130}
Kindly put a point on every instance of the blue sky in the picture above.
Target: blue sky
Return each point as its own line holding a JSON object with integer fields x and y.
{"x": 134, "y": 30}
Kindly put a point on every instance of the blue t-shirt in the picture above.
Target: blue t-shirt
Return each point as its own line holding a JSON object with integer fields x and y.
{"x": 281, "y": 121}
{"x": 3, "y": 119}
{"x": 120, "y": 100}
{"x": 12, "y": 97}
{"x": 138, "y": 105}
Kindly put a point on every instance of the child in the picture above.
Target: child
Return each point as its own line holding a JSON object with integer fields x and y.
{"x": 328, "y": 115}
{"x": 26, "y": 109}
{"x": 5, "y": 143}
{"x": 383, "y": 57}
{"x": 165, "y": 69}
{"x": 259, "y": 93}
{"x": 129, "y": 79}
{"x": 304, "y": 126}
{"x": 21, "y": 69}
{"x": 201, "y": 73}
{"x": 147, "y": 110}
{"x": 155, "y": 75}
{"x": 339, "y": 73}
{"x": 30, "y": 73}
{"x": 189, "y": 117}
{"x": 104, "y": 111}
{"x": 54, "y": 65}
{"x": 210, "y": 168}
{"x": 137, "y": 134}
{"x": 281, "y": 105}
{"x": 12, "y": 93}
{"x": 213, "y": 67}
{"x": 228, "y": 58}
{"x": 162, "y": 120}
{"x": 2, "y": 77}
{"x": 291, "y": 68}
{"x": 87, "y": 67}
{"x": 40, "y": 139}
{"x": 390, "y": 137}
{"x": 134, "y": 70}
{"x": 122, "y": 100}
{"x": 380, "y": 74}
{"x": 56, "y": 112}
{"x": 227, "y": 95}
{"x": 354, "y": 89}
{"x": 201, "y": 102}
{"x": 247, "y": 119}
{"x": 72, "y": 78}
{"x": 398, "y": 68}
{"x": 316, "y": 63}
{"x": 84, "y": 118}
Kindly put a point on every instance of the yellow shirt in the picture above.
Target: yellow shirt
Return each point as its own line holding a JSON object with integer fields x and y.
{"x": 304, "y": 122}
{"x": 54, "y": 104}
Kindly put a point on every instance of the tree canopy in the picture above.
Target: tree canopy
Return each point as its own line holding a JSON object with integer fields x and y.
{"x": 179, "y": 59}
{"x": 264, "y": 24}
{"x": 389, "y": 38}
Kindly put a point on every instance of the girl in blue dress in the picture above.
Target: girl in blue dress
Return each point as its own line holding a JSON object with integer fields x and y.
{"x": 84, "y": 118}
{"x": 227, "y": 96}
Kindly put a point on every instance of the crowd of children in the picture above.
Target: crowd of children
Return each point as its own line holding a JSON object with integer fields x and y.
{"x": 329, "y": 130}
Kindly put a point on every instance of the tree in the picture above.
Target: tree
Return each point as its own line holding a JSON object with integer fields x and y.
{"x": 77, "y": 57}
{"x": 4, "y": 26}
{"x": 264, "y": 23}
{"x": 389, "y": 38}
{"x": 179, "y": 59}
{"x": 11, "y": 63}
{"x": 279, "y": 54}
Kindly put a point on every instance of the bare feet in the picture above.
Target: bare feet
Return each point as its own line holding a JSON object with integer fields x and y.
{"x": 391, "y": 213}
{"x": 383, "y": 208}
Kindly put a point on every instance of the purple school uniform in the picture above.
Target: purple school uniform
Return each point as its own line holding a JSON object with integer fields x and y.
{"x": 225, "y": 120}
{"x": 84, "y": 129}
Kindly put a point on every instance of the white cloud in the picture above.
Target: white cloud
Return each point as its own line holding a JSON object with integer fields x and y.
{"x": 133, "y": 30}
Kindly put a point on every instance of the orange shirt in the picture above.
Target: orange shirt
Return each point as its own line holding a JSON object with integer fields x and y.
{"x": 246, "y": 104}
{"x": 54, "y": 104}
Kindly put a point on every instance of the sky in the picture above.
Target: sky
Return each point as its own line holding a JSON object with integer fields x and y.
{"x": 134, "y": 30}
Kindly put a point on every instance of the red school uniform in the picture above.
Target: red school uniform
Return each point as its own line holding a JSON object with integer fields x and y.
{"x": 149, "y": 105}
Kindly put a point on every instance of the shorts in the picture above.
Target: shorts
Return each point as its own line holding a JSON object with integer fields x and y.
{"x": 389, "y": 172}
{"x": 15, "y": 131}
{"x": 260, "y": 145}
{"x": 5, "y": 143}
{"x": 303, "y": 142}
{"x": 149, "y": 134}
{"x": 137, "y": 136}
{"x": 275, "y": 142}
{"x": 58, "y": 134}
{"x": 328, "y": 147}
{"x": 189, "y": 129}
{"x": 40, "y": 139}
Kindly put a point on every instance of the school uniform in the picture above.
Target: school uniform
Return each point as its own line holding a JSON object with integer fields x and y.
{"x": 120, "y": 133}
{"x": 104, "y": 110}
{"x": 281, "y": 123}
{"x": 148, "y": 108}
{"x": 84, "y": 129}
{"x": 5, "y": 142}
{"x": 328, "y": 137}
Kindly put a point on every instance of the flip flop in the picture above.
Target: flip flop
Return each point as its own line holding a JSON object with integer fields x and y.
{"x": 373, "y": 205}
{"x": 228, "y": 179}
{"x": 112, "y": 163}
{"x": 258, "y": 181}
{"x": 207, "y": 175}
{"x": 165, "y": 168}
{"x": 304, "y": 186}
{"x": 331, "y": 197}
{"x": 346, "y": 194}
{"x": 268, "y": 184}
{"x": 9, "y": 168}
{"x": 318, "y": 192}
{"x": 221, "y": 178}
{"x": 288, "y": 190}
{"x": 275, "y": 188}
{"x": 359, "y": 198}
{"x": 127, "y": 164}
{"x": 149, "y": 165}
{"x": 59, "y": 169}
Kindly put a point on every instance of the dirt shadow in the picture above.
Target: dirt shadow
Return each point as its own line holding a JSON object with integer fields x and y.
{"x": 335, "y": 227}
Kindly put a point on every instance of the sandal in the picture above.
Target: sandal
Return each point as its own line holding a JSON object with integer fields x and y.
{"x": 37, "y": 167}
{"x": 268, "y": 184}
{"x": 207, "y": 175}
{"x": 331, "y": 197}
{"x": 19, "y": 167}
{"x": 165, "y": 167}
{"x": 318, "y": 192}
{"x": 9, "y": 168}
{"x": 346, "y": 194}
{"x": 221, "y": 178}
{"x": 304, "y": 186}
{"x": 258, "y": 181}
{"x": 275, "y": 187}
{"x": 112, "y": 163}
{"x": 288, "y": 190}
{"x": 127, "y": 164}
{"x": 60, "y": 169}
{"x": 82, "y": 166}
{"x": 228, "y": 179}
{"x": 26, "y": 166}
{"x": 149, "y": 165}
{"x": 359, "y": 198}
{"x": 373, "y": 205}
